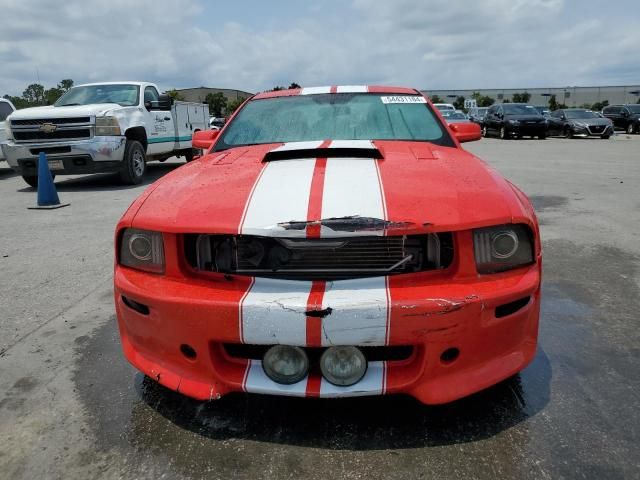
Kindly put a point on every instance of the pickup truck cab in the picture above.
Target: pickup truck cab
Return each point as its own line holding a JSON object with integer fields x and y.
{"x": 6, "y": 109}
{"x": 103, "y": 127}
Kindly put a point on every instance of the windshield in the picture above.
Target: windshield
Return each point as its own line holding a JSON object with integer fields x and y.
{"x": 516, "y": 109}
{"x": 634, "y": 108}
{"x": 124, "y": 95}
{"x": 456, "y": 116}
{"x": 573, "y": 114}
{"x": 342, "y": 116}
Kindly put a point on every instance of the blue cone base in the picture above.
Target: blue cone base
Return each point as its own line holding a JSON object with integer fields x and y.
{"x": 48, "y": 207}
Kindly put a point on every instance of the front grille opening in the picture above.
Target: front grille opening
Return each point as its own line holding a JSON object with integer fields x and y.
{"x": 318, "y": 259}
{"x": 57, "y": 135}
{"x": 511, "y": 307}
{"x": 54, "y": 121}
{"x": 372, "y": 354}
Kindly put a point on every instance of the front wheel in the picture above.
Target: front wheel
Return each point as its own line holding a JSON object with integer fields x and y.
{"x": 503, "y": 133}
{"x": 32, "y": 180}
{"x": 605, "y": 137}
{"x": 133, "y": 164}
{"x": 484, "y": 131}
{"x": 631, "y": 129}
{"x": 567, "y": 132}
{"x": 542, "y": 136}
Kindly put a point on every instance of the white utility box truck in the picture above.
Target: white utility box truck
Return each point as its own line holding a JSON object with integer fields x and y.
{"x": 103, "y": 127}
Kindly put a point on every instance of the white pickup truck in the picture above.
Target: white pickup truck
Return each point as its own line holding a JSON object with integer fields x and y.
{"x": 103, "y": 127}
{"x": 6, "y": 109}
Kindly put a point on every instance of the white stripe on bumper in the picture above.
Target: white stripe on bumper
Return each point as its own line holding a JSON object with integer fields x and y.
{"x": 359, "y": 312}
{"x": 257, "y": 382}
{"x": 371, "y": 384}
{"x": 273, "y": 312}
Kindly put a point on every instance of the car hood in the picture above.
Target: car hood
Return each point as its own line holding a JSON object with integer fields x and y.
{"x": 591, "y": 121}
{"x": 62, "y": 112}
{"x": 525, "y": 118}
{"x": 416, "y": 187}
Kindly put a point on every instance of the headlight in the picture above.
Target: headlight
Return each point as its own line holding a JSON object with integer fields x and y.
{"x": 107, "y": 126}
{"x": 343, "y": 366}
{"x": 502, "y": 248}
{"x": 143, "y": 250}
{"x": 286, "y": 365}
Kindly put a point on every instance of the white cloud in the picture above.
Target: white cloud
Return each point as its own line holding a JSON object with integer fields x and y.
{"x": 427, "y": 44}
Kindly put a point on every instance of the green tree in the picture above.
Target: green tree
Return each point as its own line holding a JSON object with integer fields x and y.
{"x": 277, "y": 88}
{"x": 18, "y": 102}
{"x": 483, "y": 100}
{"x": 65, "y": 84}
{"x": 523, "y": 97}
{"x": 53, "y": 94}
{"x": 173, "y": 93}
{"x": 294, "y": 85}
{"x": 34, "y": 94}
{"x": 233, "y": 105}
{"x": 459, "y": 103}
{"x": 436, "y": 99}
{"x": 217, "y": 103}
{"x": 599, "y": 105}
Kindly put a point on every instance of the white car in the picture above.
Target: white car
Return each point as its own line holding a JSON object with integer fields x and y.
{"x": 104, "y": 127}
{"x": 6, "y": 109}
{"x": 444, "y": 106}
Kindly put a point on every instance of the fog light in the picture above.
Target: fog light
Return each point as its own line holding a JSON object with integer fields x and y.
{"x": 343, "y": 366}
{"x": 285, "y": 364}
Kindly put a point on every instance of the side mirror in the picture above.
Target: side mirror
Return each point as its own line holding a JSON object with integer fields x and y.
{"x": 163, "y": 103}
{"x": 466, "y": 132}
{"x": 204, "y": 139}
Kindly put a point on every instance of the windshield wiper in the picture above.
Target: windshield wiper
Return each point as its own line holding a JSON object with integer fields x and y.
{"x": 69, "y": 105}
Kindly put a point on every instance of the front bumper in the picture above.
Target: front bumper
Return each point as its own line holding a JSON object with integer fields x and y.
{"x": 95, "y": 155}
{"x": 527, "y": 129}
{"x": 431, "y": 313}
{"x": 591, "y": 131}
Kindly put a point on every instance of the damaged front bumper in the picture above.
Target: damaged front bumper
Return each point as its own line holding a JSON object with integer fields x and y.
{"x": 175, "y": 329}
{"x": 95, "y": 155}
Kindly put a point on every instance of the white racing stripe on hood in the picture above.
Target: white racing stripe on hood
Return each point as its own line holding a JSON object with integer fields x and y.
{"x": 352, "y": 188}
{"x": 298, "y": 146}
{"x": 365, "y": 144}
{"x": 281, "y": 195}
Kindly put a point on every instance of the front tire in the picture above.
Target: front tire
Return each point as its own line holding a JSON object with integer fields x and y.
{"x": 567, "y": 133}
{"x": 503, "y": 133}
{"x": 485, "y": 133}
{"x": 631, "y": 129}
{"x": 32, "y": 180}
{"x": 605, "y": 137}
{"x": 134, "y": 163}
{"x": 542, "y": 136}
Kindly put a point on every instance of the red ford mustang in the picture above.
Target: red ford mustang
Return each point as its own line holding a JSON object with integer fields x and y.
{"x": 332, "y": 242}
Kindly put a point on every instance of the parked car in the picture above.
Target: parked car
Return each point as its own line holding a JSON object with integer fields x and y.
{"x": 544, "y": 111}
{"x": 453, "y": 116}
{"x": 514, "y": 120}
{"x": 217, "y": 122}
{"x": 477, "y": 114}
{"x": 6, "y": 109}
{"x": 103, "y": 127}
{"x": 444, "y": 106}
{"x": 624, "y": 117}
{"x": 332, "y": 242}
{"x": 579, "y": 122}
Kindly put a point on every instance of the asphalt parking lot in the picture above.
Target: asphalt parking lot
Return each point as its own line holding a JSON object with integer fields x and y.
{"x": 71, "y": 407}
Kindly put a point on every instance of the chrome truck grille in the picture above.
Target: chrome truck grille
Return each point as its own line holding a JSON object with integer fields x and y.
{"x": 51, "y": 129}
{"x": 318, "y": 259}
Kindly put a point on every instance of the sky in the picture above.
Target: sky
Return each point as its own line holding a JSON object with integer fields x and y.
{"x": 254, "y": 45}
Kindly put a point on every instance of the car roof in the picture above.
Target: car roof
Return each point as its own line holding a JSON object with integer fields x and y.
{"x": 338, "y": 89}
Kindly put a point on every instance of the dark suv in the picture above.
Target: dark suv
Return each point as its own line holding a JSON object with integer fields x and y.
{"x": 624, "y": 117}
{"x": 514, "y": 120}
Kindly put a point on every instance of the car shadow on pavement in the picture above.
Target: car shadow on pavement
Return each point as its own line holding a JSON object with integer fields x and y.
{"x": 7, "y": 173}
{"x": 108, "y": 181}
{"x": 392, "y": 422}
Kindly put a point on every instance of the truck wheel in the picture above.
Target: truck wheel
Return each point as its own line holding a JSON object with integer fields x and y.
{"x": 189, "y": 154}
{"x": 32, "y": 180}
{"x": 133, "y": 164}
